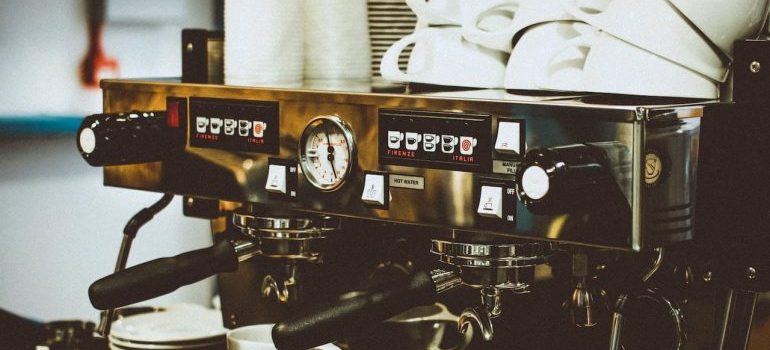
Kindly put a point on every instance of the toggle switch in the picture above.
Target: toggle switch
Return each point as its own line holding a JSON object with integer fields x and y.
{"x": 491, "y": 202}
{"x": 508, "y": 138}
{"x": 374, "y": 190}
{"x": 276, "y": 179}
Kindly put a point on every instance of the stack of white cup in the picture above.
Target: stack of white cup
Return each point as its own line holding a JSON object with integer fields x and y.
{"x": 280, "y": 43}
{"x": 671, "y": 48}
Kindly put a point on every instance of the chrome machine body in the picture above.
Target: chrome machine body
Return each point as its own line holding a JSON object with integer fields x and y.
{"x": 491, "y": 184}
{"x": 441, "y": 191}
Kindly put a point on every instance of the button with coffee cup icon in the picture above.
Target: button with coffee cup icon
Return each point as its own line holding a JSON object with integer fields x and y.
{"x": 244, "y": 127}
{"x": 448, "y": 143}
{"x": 429, "y": 142}
{"x": 259, "y": 128}
{"x": 413, "y": 140}
{"x": 216, "y": 126}
{"x": 201, "y": 124}
{"x": 394, "y": 139}
{"x": 230, "y": 126}
{"x": 466, "y": 145}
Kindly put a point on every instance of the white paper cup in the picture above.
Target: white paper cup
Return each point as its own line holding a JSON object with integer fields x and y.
{"x": 337, "y": 44}
{"x": 263, "y": 42}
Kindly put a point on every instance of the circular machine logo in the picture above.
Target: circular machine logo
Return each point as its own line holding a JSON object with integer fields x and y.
{"x": 466, "y": 145}
{"x": 653, "y": 168}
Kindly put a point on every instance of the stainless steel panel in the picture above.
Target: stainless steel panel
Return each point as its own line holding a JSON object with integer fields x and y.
{"x": 448, "y": 198}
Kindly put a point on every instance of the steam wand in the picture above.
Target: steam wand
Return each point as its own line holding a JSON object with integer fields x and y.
{"x": 482, "y": 315}
{"x": 129, "y": 233}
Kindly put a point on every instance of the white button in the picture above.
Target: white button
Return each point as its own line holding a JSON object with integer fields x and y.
{"x": 374, "y": 189}
{"x": 466, "y": 145}
{"x": 216, "y": 125}
{"x": 87, "y": 140}
{"x": 491, "y": 202}
{"x": 508, "y": 137}
{"x": 276, "y": 179}
{"x": 535, "y": 182}
{"x": 201, "y": 124}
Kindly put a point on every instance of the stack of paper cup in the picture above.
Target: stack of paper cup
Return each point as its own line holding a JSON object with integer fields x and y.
{"x": 337, "y": 43}
{"x": 264, "y": 42}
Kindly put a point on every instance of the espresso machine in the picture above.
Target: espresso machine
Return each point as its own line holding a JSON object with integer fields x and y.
{"x": 541, "y": 221}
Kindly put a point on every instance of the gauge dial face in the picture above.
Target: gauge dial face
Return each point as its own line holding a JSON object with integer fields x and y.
{"x": 327, "y": 152}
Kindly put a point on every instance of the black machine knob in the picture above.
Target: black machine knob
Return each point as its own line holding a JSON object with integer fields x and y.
{"x": 560, "y": 179}
{"x": 123, "y": 138}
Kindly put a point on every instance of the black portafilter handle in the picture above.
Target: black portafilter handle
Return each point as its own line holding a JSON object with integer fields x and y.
{"x": 355, "y": 312}
{"x": 123, "y": 138}
{"x": 162, "y": 276}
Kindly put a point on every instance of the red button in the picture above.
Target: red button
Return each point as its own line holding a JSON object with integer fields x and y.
{"x": 172, "y": 114}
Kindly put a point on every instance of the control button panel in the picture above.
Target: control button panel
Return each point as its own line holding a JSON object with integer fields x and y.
{"x": 234, "y": 125}
{"x": 376, "y": 191}
{"x": 281, "y": 181}
{"x": 510, "y": 137}
{"x": 437, "y": 140}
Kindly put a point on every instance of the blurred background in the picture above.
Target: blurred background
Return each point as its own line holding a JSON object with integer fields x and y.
{"x": 55, "y": 240}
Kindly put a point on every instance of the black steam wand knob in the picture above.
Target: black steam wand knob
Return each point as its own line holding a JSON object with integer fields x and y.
{"x": 124, "y": 138}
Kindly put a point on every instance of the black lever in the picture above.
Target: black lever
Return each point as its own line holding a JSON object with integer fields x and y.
{"x": 162, "y": 276}
{"x": 354, "y": 312}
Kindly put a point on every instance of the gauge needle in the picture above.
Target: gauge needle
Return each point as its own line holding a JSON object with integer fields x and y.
{"x": 331, "y": 153}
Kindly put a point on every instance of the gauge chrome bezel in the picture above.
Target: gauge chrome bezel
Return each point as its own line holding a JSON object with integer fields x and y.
{"x": 347, "y": 133}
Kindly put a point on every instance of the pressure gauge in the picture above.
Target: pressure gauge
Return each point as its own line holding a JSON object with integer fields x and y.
{"x": 327, "y": 152}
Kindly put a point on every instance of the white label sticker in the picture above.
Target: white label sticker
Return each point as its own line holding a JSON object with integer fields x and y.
{"x": 406, "y": 181}
{"x": 505, "y": 166}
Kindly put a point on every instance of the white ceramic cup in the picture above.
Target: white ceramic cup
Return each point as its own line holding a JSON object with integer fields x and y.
{"x": 724, "y": 22}
{"x": 519, "y": 14}
{"x": 453, "y": 12}
{"x": 436, "y": 12}
{"x": 640, "y": 72}
{"x": 442, "y": 57}
{"x": 656, "y": 26}
{"x": 258, "y": 337}
{"x": 531, "y": 54}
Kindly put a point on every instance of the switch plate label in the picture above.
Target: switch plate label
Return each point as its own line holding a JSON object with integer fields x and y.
{"x": 407, "y": 181}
